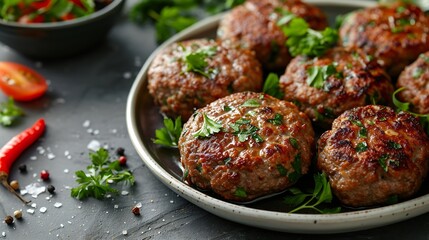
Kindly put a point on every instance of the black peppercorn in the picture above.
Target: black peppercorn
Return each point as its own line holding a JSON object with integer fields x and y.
{"x": 120, "y": 151}
{"x": 8, "y": 220}
{"x": 22, "y": 168}
{"x": 51, "y": 189}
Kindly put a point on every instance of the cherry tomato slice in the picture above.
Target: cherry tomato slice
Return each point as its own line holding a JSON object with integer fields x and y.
{"x": 20, "y": 82}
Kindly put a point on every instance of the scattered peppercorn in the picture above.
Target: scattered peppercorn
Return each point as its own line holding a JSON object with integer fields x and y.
{"x": 18, "y": 214}
{"x": 120, "y": 151}
{"x": 14, "y": 184}
{"x": 122, "y": 160}
{"x": 44, "y": 175}
{"x": 51, "y": 189}
{"x": 8, "y": 220}
{"x": 22, "y": 168}
{"x": 136, "y": 211}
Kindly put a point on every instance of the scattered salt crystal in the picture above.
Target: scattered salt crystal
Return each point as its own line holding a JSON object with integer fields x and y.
{"x": 124, "y": 193}
{"x": 110, "y": 181}
{"x": 34, "y": 189}
{"x": 51, "y": 156}
{"x": 30, "y": 211}
{"x": 96, "y": 132}
{"x": 139, "y": 205}
{"x": 43, "y": 209}
{"x": 48, "y": 198}
{"x": 58, "y": 204}
{"x": 79, "y": 207}
{"x": 69, "y": 222}
{"x": 69, "y": 157}
{"x": 108, "y": 196}
{"x": 23, "y": 192}
{"x": 86, "y": 124}
{"x": 94, "y": 145}
{"x": 60, "y": 100}
{"x": 114, "y": 131}
{"x": 66, "y": 170}
{"x": 116, "y": 206}
{"x": 33, "y": 158}
{"x": 127, "y": 75}
{"x": 137, "y": 61}
{"x": 62, "y": 225}
{"x": 34, "y": 175}
{"x": 89, "y": 130}
{"x": 3, "y": 234}
{"x": 66, "y": 153}
{"x": 33, "y": 205}
{"x": 171, "y": 201}
{"x": 124, "y": 232}
{"x": 41, "y": 150}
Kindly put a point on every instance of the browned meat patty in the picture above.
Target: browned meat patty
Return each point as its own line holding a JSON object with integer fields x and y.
{"x": 326, "y": 86}
{"x": 415, "y": 80}
{"x": 253, "y": 25}
{"x": 395, "y": 34}
{"x": 264, "y": 146}
{"x": 373, "y": 154}
{"x": 190, "y": 74}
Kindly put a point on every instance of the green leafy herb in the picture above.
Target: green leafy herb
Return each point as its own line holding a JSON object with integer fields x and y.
{"x": 363, "y": 132}
{"x": 277, "y": 120}
{"x": 9, "y": 112}
{"x": 403, "y": 106}
{"x": 294, "y": 143}
{"x": 296, "y": 165}
{"x": 361, "y": 147}
{"x": 302, "y": 40}
{"x": 320, "y": 194}
{"x": 418, "y": 72}
{"x": 384, "y": 162}
{"x": 170, "y": 133}
{"x": 317, "y": 75}
{"x": 208, "y": 128}
{"x": 172, "y": 16}
{"x": 196, "y": 62}
{"x": 243, "y": 129}
{"x": 240, "y": 192}
{"x": 101, "y": 174}
{"x": 272, "y": 86}
{"x": 282, "y": 170}
{"x": 394, "y": 145}
{"x": 251, "y": 103}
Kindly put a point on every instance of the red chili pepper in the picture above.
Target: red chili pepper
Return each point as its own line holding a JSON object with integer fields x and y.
{"x": 13, "y": 149}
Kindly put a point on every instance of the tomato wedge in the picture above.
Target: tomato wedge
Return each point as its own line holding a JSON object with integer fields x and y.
{"x": 20, "y": 82}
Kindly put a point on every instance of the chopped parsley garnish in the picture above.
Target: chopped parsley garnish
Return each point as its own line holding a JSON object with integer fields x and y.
{"x": 424, "y": 57}
{"x": 384, "y": 162}
{"x": 296, "y": 165}
{"x": 317, "y": 75}
{"x": 361, "y": 147}
{"x": 277, "y": 120}
{"x": 418, "y": 72}
{"x": 312, "y": 199}
{"x": 294, "y": 142}
{"x": 282, "y": 170}
{"x": 306, "y": 41}
{"x": 227, "y": 108}
{"x": 363, "y": 132}
{"x": 272, "y": 86}
{"x": 251, "y": 103}
{"x": 9, "y": 112}
{"x": 243, "y": 129}
{"x": 196, "y": 62}
{"x": 169, "y": 135}
{"x": 227, "y": 160}
{"x": 394, "y": 145}
{"x": 101, "y": 174}
{"x": 208, "y": 128}
{"x": 240, "y": 192}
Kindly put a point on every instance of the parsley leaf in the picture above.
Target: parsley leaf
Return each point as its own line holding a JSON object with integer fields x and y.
{"x": 317, "y": 75}
{"x": 101, "y": 174}
{"x": 196, "y": 62}
{"x": 209, "y": 127}
{"x": 243, "y": 129}
{"x": 9, "y": 112}
{"x": 171, "y": 21}
{"x": 169, "y": 135}
{"x": 272, "y": 86}
{"x": 302, "y": 40}
{"x": 320, "y": 194}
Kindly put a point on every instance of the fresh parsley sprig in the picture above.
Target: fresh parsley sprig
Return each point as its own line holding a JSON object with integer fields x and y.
{"x": 169, "y": 135}
{"x": 272, "y": 86}
{"x": 196, "y": 61}
{"x": 311, "y": 200}
{"x": 208, "y": 128}
{"x": 302, "y": 40}
{"x": 101, "y": 174}
{"x": 172, "y": 16}
{"x": 405, "y": 106}
{"x": 317, "y": 75}
{"x": 9, "y": 112}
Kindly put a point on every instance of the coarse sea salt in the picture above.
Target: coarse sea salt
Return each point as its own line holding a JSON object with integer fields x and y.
{"x": 30, "y": 211}
{"x": 34, "y": 189}
{"x": 58, "y": 204}
{"x": 86, "y": 124}
{"x": 94, "y": 145}
{"x": 43, "y": 209}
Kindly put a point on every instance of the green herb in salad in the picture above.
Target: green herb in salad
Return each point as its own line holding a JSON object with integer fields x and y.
{"x": 102, "y": 173}
{"x": 169, "y": 135}
{"x": 9, "y": 112}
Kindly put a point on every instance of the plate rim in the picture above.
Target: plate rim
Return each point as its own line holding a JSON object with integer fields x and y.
{"x": 270, "y": 220}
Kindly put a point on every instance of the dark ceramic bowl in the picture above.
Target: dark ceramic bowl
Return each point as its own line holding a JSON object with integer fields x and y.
{"x": 60, "y": 39}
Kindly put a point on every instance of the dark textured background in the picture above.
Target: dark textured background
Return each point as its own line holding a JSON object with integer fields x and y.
{"x": 94, "y": 86}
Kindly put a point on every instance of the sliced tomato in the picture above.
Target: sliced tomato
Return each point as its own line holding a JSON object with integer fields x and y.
{"x": 20, "y": 82}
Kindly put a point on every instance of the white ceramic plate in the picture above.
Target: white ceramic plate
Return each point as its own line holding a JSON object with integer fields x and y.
{"x": 143, "y": 118}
